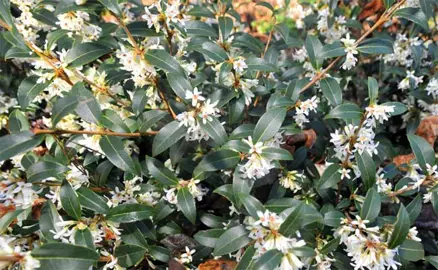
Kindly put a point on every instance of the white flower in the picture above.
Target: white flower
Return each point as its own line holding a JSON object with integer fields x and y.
{"x": 410, "y": 77}
{"x": 195, "y": 96}
{"x": 413, "y": 234}
{"x": 380, "y": 112}
{"x": 350, "y": 62}
{"x": 345, "y": 173}
{"x": 254, "y": 148}
{"x": 186, "y": 257}
{"x": 171, "y": 196}
{"x": 432, "y": 170}
{"x": 304, "y": 109}
{"x": 239, "y": 65}
{"x": 360, "y": 223}
{"x": 256, "y": 167}
{"x": 290, "y": 180}
{"x": 151, "y": 19}
{"x": 290, "y": 261}
{"x": 276, "y": 241}
{"x": 432, "y": 88}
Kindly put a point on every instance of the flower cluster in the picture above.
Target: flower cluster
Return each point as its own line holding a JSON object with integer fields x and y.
{"x": 203, "y": 111}
{"x": 265, "y": 233}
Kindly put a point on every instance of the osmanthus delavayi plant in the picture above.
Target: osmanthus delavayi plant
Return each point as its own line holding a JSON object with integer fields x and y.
{"x": 161, "y": 135}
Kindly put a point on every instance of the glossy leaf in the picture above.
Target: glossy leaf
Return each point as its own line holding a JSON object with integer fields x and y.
{"x": 70, "y": 201}
{"x": 167, "y": 136}
{"x": 371, "y": 206}
{"x": 85, "y": 53}
{"x": 231, "y": 240}
{"x": 114, "y": 150}
{"x": 53, "y": 256}
{"x": 126, "y": 213}
{"x": 269, "y": 124}
{"x": 401, "y": 228}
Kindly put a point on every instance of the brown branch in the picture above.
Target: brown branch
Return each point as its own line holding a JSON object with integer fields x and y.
{"x": 385, "y": 17}
{"x": 353, "y": 139}
{"x": 407, "y": 189}
{"x": 38, "y": 131}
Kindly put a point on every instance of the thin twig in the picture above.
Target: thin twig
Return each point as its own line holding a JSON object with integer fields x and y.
{"x": 38, "y": 131}
{"x": 75, "y": 161}
{"x": 166, "y": 102}
{"x": 129, "y": 34}
{"x": 409, "y": 188}
{"x": 385, "y": 17}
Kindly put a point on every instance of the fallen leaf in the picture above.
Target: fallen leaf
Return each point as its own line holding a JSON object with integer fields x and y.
{"x": 371, "y": 9}
{"x": 217, "y": 265}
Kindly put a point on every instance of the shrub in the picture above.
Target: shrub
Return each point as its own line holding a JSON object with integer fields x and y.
{"x": 153, "y": 135}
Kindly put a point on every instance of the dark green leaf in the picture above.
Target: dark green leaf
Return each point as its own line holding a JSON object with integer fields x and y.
{"x": 85, "y": 53}
{"x": 401, "y": 228}
{"x": 44, "y": 169}
{"x": 232, "y": 240}
{"x": 245, "y": 262}
{"x": 197, "y": 28}
{"x": 269, "y": 260}
{"x": 88, "y": 108}
{"x": 62, "y": 107}
{"x": 367, "y": 169}
{"x": 167, "y": 136}
{"x": 215, "y": 130}
{"x": 293, "y": 222}
{"x": 70, "y": 201}
{"x": 208, "y": 238}
{"x": 330, "y": 177}
{"x": 126, "y": 213}
{"x": 179, "y": 84}
{"x": 129, "y": 255}
{"x": 414, "y": 208}
{"x": 346, "y": 111}
{"x": 333, "y": 50}
{"x": 252, "y": 205}
{"x": 411, "y": 250}
{"x": 187, "y": 204}
{"x": 161, "y": 173}
{"x": 373, "y": 89}
{"x": 14, "y": 144}
{"x": 111, "y": 120}
{"x": 8, "y": 218}
{"x": 331, "y": 90}
{"x": 259, "y": 64}
{"x": 150, "y": 118}
{"x": 113, "y": 6}
{"x": 213, "y": 51}
{"x": 163, "y": 60}
{"x": 375, "y": 46}
{"x": 399, "y": 108}
{"x": 414, "y": 15}
{"x": 333, "y": 218}
{"x": 114, "y": 150}
{"x": 314, "y": 51}
{"x": 371, "y": 206}
{"x": 53, "y": 256}
{"x": 84, "y": 238}
{"x": 29, "y": 89}
{"x": 218, "y": 160}
{"x": 48, "y": 219}
{"x": 92, "y": 201}
{"x": 269, "y": 124}
{"x": 423, "y": 151}
{"x": 17, "y": 122}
